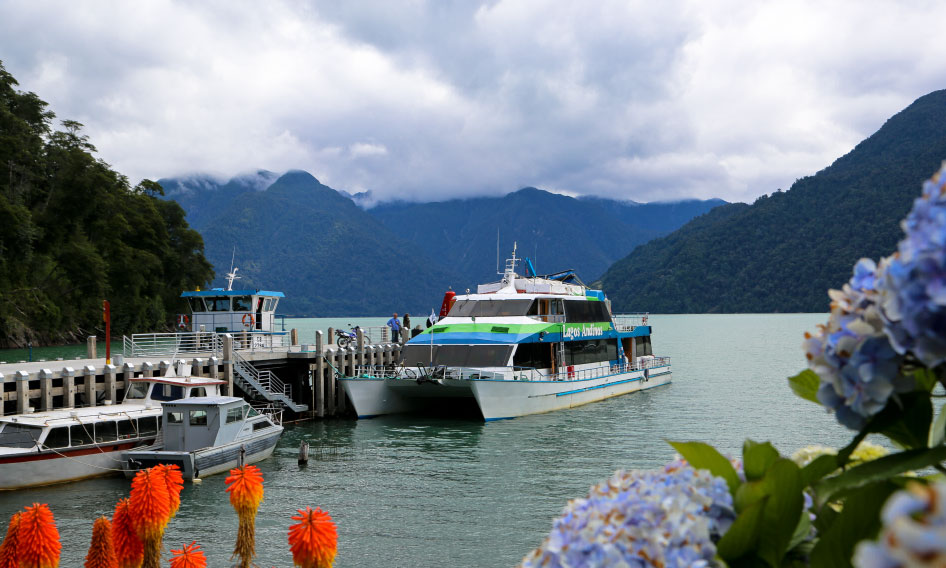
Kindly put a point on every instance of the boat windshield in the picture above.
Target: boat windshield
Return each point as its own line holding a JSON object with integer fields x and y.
{"x": 490, "y": 308}
{"x": 137, "y": 391}
{"x": 19, "y": 435}
{"x": 457, "y": 355}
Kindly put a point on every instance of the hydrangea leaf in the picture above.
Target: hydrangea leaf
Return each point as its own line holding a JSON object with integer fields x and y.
{"x": 878, "y": 470}
{"x": 742, "y": 536}
{"x": 704, "y": 456}
{"x": 781, "y": 510}
{"x": 756, "y": 458}
{"x": 845, "y": 453}
{"x": 938, "y": 429}
{"x": 859, "y": 519}
{"x": 911, "y": 418}
{"x": 749, "y": 494}
{"x": 925, "y": 379}
{"x": 805, "y": 384}
{"x": 802, "y": 531}
{"x": 818, "y": 468}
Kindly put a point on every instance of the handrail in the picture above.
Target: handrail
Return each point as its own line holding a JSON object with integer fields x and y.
{"x": 265, "y": 380}
{"x": 627, "y": 322}
{"x": 200, "y": 342}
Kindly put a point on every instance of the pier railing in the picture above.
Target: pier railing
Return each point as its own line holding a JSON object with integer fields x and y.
{"x": 627, "y": 322}
{"x": 200, "y": 342}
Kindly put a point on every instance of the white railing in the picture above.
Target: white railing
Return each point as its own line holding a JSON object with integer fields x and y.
{"x": 627, "y": 322}
{"x": 373, "y": 334}
{"x": 263, "y": 381}
{"x": 200, "y": 342}
{"x": 170, "y": 344}
{"x": 503, "y": 373}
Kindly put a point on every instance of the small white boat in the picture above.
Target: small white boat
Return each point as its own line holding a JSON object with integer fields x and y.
{"x": 56, "y": 446}
{"x": 523, "y": 345}
{"x": 207, "y": 435}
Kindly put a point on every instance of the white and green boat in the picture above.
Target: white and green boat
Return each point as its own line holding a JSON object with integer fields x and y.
{"x": 523, "y": 345}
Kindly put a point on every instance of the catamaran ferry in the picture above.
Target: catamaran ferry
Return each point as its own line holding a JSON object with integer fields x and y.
{"x": 523, "y": 345}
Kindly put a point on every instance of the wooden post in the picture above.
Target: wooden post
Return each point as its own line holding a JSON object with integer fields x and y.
{"x": 128, "y": 373}
{"x": 228, "y": 362}
{"x": 360, "y": 336}
{"x": 164, "y": 367}
{"x": 46, "y": 389}
{"x": 22, "y": 392}
{"x": 318, "y": 389}
{"x": 330, "y": 396}
{"x": 2, "y": 395}
{"x": 90, "y": 350}
{"x": 294, "y": 336}
{"x": 213, "y": 367}
{"x": 147, "y": 370}
{"x": 68, "y": 387}
{"x": 89, "y": 376}
{"x": 197, "y": 367}
{"x": 331, "y": 336}
{"x": 110, "y": 389}
{"x": 405, "y": 335}
{"x": 303, "y": 453}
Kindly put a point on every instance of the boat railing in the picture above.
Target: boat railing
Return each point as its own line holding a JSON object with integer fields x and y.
{"x": 274, "y": 412}
{"x": 200, "y": 342}
{"x": 627, "y": 322}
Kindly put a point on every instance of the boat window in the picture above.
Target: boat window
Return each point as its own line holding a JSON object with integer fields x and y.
{"x": 272, "y": 307}
{"x": 19, "y": 435}
{"x": 105, "y": 432}
{"x": 250, "y": 411}
{"x": 267, "y": 305}
{"x": 592, "y": 351}
{"x": 137, "y": 391}
{"x": 81, "y": 434}
{"x": 218, "y": 304}
{"x": 148, "y": 426}
{"x": 260, "y": 425}
{"x": 234, "y": 414}
{"x": 457, "y": 355}
{"x": 168, "y": 392}
{"x": 58, "y": 437}
{"x": 490, "y": 308}
{"x": 243, "y": 303}
{"x": 126, "y": 429}
{"x": 642, "y": 346}
{"x": 198, "y": 417}
{"x": 197, "y": 304}
{"x": 175, "y": 417}
{"x": 198, "y": 391}
{"x": 533, "y": 355}
{"x": 586, "y": 311}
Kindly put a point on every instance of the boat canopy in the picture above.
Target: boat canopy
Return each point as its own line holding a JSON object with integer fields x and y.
{"x": 225, "y": 311}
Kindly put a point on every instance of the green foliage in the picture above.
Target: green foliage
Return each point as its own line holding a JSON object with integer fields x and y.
{"x": 859, "y": 519}
{"x": 805, "y": 385}
{"x": 704, "y": 456}
{"x": 72, "y": 233}
{"x": 785, "y": 250}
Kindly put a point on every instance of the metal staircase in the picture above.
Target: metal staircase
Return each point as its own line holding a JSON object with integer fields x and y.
{"x": 263, "y": 383}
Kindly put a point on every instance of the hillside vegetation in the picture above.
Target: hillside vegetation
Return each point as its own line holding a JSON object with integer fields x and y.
{"x": 73, "y": 233}
{"x": 781, "y": 253}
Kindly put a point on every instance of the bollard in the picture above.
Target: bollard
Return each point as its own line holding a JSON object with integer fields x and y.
{"x": 45, "y": 389}
{"x": 294, "y": 337}
{"x": 22, "y": 392}
{"x": 303, "y": 453}
{"x": 213, "y": 367}
{"x": 90, "y": 349}
{"x": 163, "y": 368}
{"x": 331, "y": 336}
{"x": 68, "y": 387}
{"x": 197, "y": 367}
{"x": 90, "y": 392}
{"x": 147, "y": 370}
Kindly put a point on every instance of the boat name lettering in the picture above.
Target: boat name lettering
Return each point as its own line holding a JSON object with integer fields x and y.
{"x": 583, "y": 331}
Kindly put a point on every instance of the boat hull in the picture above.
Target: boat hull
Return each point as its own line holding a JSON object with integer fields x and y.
{"x": 36, "y": 469}
{"x": 496, "y": 399}
{"x": 209, "y": 461}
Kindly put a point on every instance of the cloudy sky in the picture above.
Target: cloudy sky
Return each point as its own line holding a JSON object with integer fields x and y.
{"x": 424, "y": 100}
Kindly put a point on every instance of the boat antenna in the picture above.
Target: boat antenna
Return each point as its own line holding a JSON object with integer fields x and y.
{"x": 231, "y": 276}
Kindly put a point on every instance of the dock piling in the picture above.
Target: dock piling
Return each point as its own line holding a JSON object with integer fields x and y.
{"x": 68, "y": 388}
{"x": 46, "y": 389}
{"x": 22, "y": 392}
{"x": 318, "y": 389}
{"x": 88, "y": 373}
{"x": 228, "y": 362}
{"x": 110, "y": 388}
{"x": 91, "y": 351}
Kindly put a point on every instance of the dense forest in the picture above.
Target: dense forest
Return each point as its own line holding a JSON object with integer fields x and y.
{"x": 74, "y": 232}
{"x": 782, "y": 253}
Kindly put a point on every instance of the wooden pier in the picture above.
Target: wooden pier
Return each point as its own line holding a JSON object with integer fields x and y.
{"x": 300, "y": 377}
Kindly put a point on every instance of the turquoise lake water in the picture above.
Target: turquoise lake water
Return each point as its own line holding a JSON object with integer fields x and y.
{"x": 424, "y": 492}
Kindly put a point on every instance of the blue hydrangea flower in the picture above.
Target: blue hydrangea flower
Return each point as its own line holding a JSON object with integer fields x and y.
{"x": 914, "y": 289}
{"x": 669, "y": 518}
{"x": 853, "y": 357}
{"x": 913, "y": 533}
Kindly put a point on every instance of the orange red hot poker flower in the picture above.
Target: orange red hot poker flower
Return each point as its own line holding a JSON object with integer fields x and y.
{"x": 37, "y": 538}
{"x": 245, "y": 486}
{"x": 8, "y": 548}
{"x": 190, "y": 556}
{"x": 314, "y": 539}
{"x": 129, "y": 549}
{"x": 101, "y": 554}
{"x": 175, "y": 483}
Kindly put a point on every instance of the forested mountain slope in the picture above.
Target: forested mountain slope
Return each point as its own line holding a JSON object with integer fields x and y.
{"x": 784, "y": 251}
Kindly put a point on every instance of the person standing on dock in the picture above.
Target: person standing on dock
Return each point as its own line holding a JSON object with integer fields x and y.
{"x": 395, "y": 326}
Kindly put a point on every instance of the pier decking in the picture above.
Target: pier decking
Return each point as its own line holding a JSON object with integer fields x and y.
{"x": 270, "y": 368}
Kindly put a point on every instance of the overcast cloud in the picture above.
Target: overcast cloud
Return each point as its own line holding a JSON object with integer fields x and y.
{"x": 427, "y": 100}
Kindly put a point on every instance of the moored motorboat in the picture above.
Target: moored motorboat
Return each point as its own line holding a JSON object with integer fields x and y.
{"x": 56, "y": 446}
{"x": 523, "y": 345}
{"x": 208, "y": 435}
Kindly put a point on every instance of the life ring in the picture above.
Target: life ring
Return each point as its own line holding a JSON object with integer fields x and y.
{"x": 252, "y": 320}
{"x": 182, "y": 321}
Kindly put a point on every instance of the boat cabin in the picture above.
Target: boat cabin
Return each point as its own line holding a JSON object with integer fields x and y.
{"x": 225, "y": 311}
{"x": 158, "y": 390}
{"x": 208, "y": 421}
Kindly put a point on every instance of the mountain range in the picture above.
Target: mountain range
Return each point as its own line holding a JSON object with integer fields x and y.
{"x": 783, "y": 252}
{"x": 331, "y": 257}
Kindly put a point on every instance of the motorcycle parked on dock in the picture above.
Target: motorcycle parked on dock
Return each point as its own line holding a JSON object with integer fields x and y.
{"x": 346, "y": 338}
